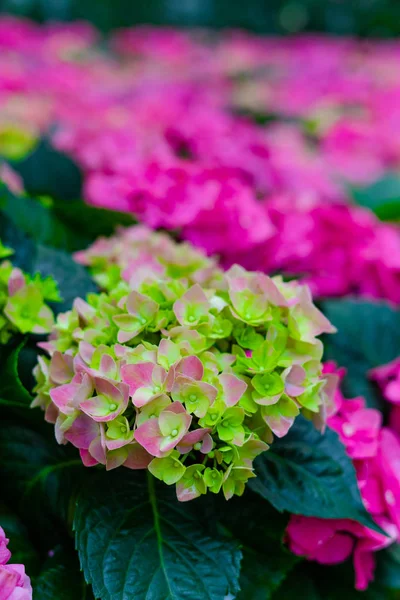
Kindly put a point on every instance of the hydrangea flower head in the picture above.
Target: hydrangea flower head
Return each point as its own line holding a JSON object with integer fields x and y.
{"x": 179, "y": 367}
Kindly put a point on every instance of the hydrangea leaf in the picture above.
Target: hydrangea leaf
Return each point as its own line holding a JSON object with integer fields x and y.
{"x": 368, "y": 336}
{"x": 61, "y": 578}
{"x": 310, "y": 474}
{"x": 150, "y": 533}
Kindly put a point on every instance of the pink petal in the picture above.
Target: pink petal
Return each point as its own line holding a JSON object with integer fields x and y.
{"x": 86, "y": 351}
{"x": 293, "y": 380}
{"x": 8, "y": 582}
{"x": 98, "y": 408}
{"x": 233, "y": 388}
{"x": 63, "y": 397}
{"x": 61, "y": 368}
{"x": 279, "y": 426}
{"x": 108, "y": 366}
{"x": 137, "y": 376}
{"x": 87, "y": 458}
{"x": 389, "y": 460}
{"x": 177, "y": 407}
{"x": 364, "y": 566}
{"x": 192, "y": 438}
{"x": 82, "y": 432}
{"x": 185, "y": 494}
{"x": 149, "y": 436}
{"x": 335, "y": 550}
{"x": 207, "y": 445}
{"x": 97, "y": 448}
{"x": 138, "y": 458}
{"x": 191, "y": 366}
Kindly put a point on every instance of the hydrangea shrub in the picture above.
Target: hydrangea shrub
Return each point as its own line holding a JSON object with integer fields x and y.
{"x": 180, "y": 367}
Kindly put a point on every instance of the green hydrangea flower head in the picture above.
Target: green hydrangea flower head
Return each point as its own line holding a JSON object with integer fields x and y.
{"x": 179, "y": 367}
{"x": 23, "y": 300}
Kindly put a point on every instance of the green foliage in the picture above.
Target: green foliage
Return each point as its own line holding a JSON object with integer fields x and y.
{"x": 41, "y": 478}
{"x": 153, "y": 546}
{"x": 382, "y": 197}
{"x": 309, "y": 581}
{"x": 12, "y": 391}
{"x": 368, "y": 336}
{"x": 47, "y": 172}
{"x": 60, "y": 577}
{"x": 266, "y": 561}
{"x": 376, "y": 18}
{"x": 21, "y": 547}
{"x": 73, "y": 280}
{"x": 310, "y": 474}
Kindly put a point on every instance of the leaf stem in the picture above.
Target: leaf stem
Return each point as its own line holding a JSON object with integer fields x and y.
{"x": 157, "y": 528}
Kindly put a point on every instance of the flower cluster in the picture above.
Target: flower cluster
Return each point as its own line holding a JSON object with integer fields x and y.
{"x": 374, "y": 450}
{"x": 23, "y": 300}
{"x": 272, "y": 196}
{"x": 14, "y": 583}
{"x": 180, "y": 367}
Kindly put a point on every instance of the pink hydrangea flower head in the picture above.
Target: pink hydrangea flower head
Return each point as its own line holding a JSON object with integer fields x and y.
{"x": 180, "y": 366}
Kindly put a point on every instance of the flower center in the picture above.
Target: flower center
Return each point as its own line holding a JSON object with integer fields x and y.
{"x": 113, "y": 406}
{"x": 197, "y": 446}
{"x": 174, "y": 432}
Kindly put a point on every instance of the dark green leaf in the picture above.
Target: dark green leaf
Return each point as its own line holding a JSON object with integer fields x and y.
{"x": 47, "y": 172}
{"x": 38, "y": 478}
{"x": 298, "y": 586}
{"x": 260, "y": 528}
{"x": 73, "y": 280}
{"x": 135, "y": 540}
{"x": 90, "y": 221}
{"x": 382, "y": 197}
{"x": 60, "y": 578}
{"x": 39, "y": 222}
{"x": 20, "y": 242}
{"x": 262, "y": 573}
{"x": 312, "y": 581}
{"x": 310, "y": 474}
{"x": 16, "y": 364}
{"x": 11, "y": 387}
{"x": 368, "y": 335}
{"x": 388, "y": 571}
{"x": 20, "y": 545}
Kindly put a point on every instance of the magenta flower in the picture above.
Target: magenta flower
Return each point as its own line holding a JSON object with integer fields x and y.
{"x": 14, "y": 583}
{"x": 333, "y": 541}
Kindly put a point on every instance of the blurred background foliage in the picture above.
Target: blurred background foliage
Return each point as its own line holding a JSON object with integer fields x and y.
{"x": 377, "y": 18}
